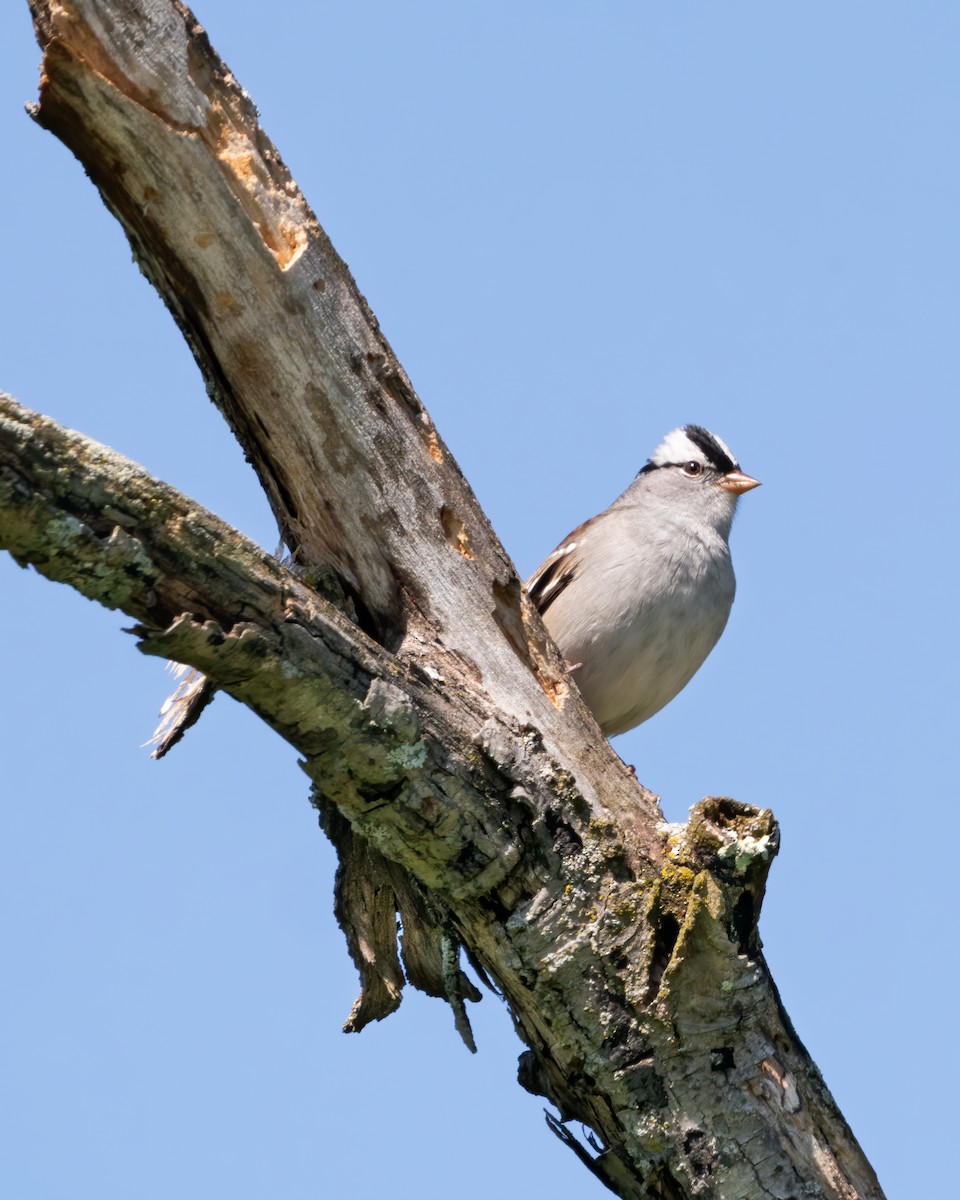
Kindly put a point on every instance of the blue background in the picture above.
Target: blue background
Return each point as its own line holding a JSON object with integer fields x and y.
{"x": 580, "y": 226}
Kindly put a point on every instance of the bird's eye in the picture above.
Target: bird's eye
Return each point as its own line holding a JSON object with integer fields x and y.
{"x": 693, "y": 468}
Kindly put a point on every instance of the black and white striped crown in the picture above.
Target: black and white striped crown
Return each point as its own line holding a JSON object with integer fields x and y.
{"x": 693, "y": 443}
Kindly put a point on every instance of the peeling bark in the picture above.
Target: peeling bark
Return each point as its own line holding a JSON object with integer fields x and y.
{"x": 463, "y": 781}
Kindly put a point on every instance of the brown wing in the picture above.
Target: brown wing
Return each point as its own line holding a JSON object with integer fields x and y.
{"x": 557, "y": 569}
{"x": 549, "y": 580}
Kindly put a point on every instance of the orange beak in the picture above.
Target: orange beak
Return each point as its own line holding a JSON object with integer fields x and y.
{"x": 737, "y": 482}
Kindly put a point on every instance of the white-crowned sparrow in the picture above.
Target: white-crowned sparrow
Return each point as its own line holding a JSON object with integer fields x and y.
{"x": 637, "y": 597}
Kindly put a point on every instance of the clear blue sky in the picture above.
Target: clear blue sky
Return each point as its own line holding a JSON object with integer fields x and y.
{"x": 579, "y": 226}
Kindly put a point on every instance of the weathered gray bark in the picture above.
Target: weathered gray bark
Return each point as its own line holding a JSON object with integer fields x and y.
{"x": 455, "y": 765}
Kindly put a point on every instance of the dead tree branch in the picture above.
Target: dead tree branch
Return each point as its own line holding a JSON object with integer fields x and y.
{"x": 451, "y": 758}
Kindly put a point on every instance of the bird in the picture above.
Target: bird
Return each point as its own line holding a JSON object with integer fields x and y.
{"x": 637, "y": 597}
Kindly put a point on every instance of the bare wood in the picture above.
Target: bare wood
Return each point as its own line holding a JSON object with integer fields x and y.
{"x": 448, "y": 737}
